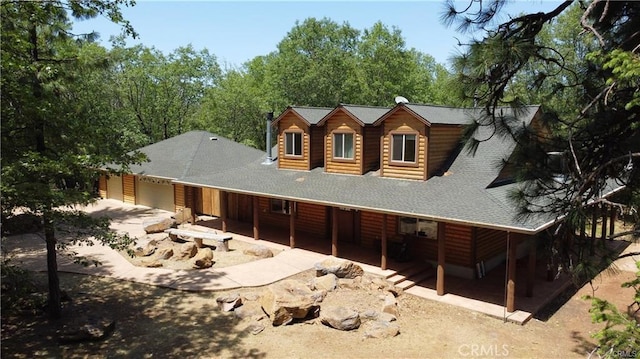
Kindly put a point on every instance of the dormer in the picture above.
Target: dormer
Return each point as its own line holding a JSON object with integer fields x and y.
{"x": 352, "y": 143}
{"x": 300, "y": 140}
{"x": 418, "y": 139}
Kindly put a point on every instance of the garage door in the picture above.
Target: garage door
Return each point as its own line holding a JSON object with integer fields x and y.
{"x": 155, "y": 192}
{"x": 114, "y": 187}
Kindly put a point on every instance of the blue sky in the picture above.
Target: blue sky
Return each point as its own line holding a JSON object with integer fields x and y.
{"x": 238, "y": 31}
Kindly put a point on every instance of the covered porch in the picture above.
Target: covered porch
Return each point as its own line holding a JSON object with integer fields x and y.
{"x": 488, "y": 295}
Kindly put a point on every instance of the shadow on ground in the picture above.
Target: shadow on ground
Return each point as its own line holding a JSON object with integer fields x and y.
{"x": 150, "y": 322}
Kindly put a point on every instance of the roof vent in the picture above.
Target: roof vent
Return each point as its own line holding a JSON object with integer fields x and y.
{"x": 213, "y": 138}
{"x": 400, "y": 99}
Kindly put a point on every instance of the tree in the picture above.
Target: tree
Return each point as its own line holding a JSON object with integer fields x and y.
{"x": 161, "y": 93}
{"x": 582, "y": 62}
{"x": 315, "y": 61}
{"x": 52, "y": 146}
{"x": 599, "y": 132}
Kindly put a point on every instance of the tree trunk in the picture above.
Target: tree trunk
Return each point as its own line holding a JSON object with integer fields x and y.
{"x": 55, "y": 306}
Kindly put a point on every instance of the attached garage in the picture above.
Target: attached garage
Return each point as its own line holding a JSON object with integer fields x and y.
{"x": 155, "y": 192}
{"x": 114, "y": 187}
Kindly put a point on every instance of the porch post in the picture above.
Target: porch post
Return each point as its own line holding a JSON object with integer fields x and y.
{"x": 613, "y": 217}
{"x": 256, "y": 218}
{"x": 512, "y": 247}
{"x": 223, "y": 210}
{"x": 441, "y": 259}
{"x": 292, "y": 225}
{"x": 191, "y": 200}
{"x": 603, "y": 234}
{"x": 383, "y": 243}
{"x": 594, "y": 224}
{"x": 531, "y": 271}
{"x": 334, "y": 231}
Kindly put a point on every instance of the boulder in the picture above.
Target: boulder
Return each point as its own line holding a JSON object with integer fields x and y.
{"x": 159, "y": 225}
{"x": 328, "y": 282}
{"x": 249, "y": 310}
{"x": 339, "y": 267}
{"x": 380, "y": 329}
{"x": 387, "y": 317}
{"x": 183, "y": 216}
{"x": 229, "y": 302}
{"x": 164, "y": 253}
{"x": 390, "y": 305}
{"x": 340, "y": 318}
{"x": 187, "y": 250}
{"x": 151, "y": 263}
{"x": 149, "y": 249}
{"x": 94, "y": 329}
{"x": 258, "y": 250}
{"x": 203, "y": 259}
{"x": 287, "y": 300}
{"x": 349, "y": 283}
{"x": 255, "y": 328}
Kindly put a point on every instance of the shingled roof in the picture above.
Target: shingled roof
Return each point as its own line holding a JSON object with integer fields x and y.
{"x": 460, "y": 196}
{"x": 194, "y": 153}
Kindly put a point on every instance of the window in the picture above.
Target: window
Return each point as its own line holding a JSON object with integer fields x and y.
{"x": 343, "y": 146}
{"x": 279, "y": 206}
{"x": 293, "y": 143}
{"x": 403, "y": 148}
{"x": 418, "y": 227}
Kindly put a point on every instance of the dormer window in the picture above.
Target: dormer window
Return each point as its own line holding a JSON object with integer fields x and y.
{"x": 293, "y": 144}
{"x": 343, "y": 146}
{"x": 403, "y": 148}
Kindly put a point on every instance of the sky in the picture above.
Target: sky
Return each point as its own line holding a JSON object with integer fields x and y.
{"x": 238, "y": 31}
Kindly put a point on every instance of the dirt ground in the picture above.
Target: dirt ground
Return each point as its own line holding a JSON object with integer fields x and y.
{"x": 154, "y": 322}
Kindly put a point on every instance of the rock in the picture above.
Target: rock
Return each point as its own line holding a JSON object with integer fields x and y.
{"x": 258, "y": 250}
{"x": 340, "y": 318}
{"x": 149, "y": 249}
{"x": 339, "y": 267}
{"x": 328, "y": 282}
{"x": 187, "y": 250}
{"x": 287, "y": 300}
{"x": 369, "y": 314}
{"x": 250, "y": 296}
{"x": 203, "y": 259}
{"x": 380, "y": 329}
{"x": 153, "y": 263}
{"x": 349, "y": 283}
{"x": 229, "y": 302}
{"x": 255, "y": 328}
{"x": 94, "y": 329}
{"x": 250, "y": 310}
{"x": 387, "y": 317}
{"x": 390, "y": 305}
{"x": 183, "y": 216}
{"x": 164, "y": 253}
{"x": 159, "y": 225}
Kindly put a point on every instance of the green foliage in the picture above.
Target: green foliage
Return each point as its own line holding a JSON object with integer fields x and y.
{"x": 581, "y": 64}
{"x": 620, "y": 336}
{"x": 159, "y": 93}
{"x": 53, "y": 142}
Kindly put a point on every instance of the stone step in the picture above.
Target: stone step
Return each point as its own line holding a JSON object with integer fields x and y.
{"x": 415, "y": 279}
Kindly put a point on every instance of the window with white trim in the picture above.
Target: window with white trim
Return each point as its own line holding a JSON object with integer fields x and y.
{"x": 403, "y": 148}
{"x": 293, "y": 143}
{"x": 343, "y": 146}
{"x": 418, "y": 227}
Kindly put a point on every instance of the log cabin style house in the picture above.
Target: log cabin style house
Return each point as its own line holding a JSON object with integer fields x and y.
{"x": 363, "y": 175}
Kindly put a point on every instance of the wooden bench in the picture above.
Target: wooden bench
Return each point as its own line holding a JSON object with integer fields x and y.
{"x": 198, "y": 237}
